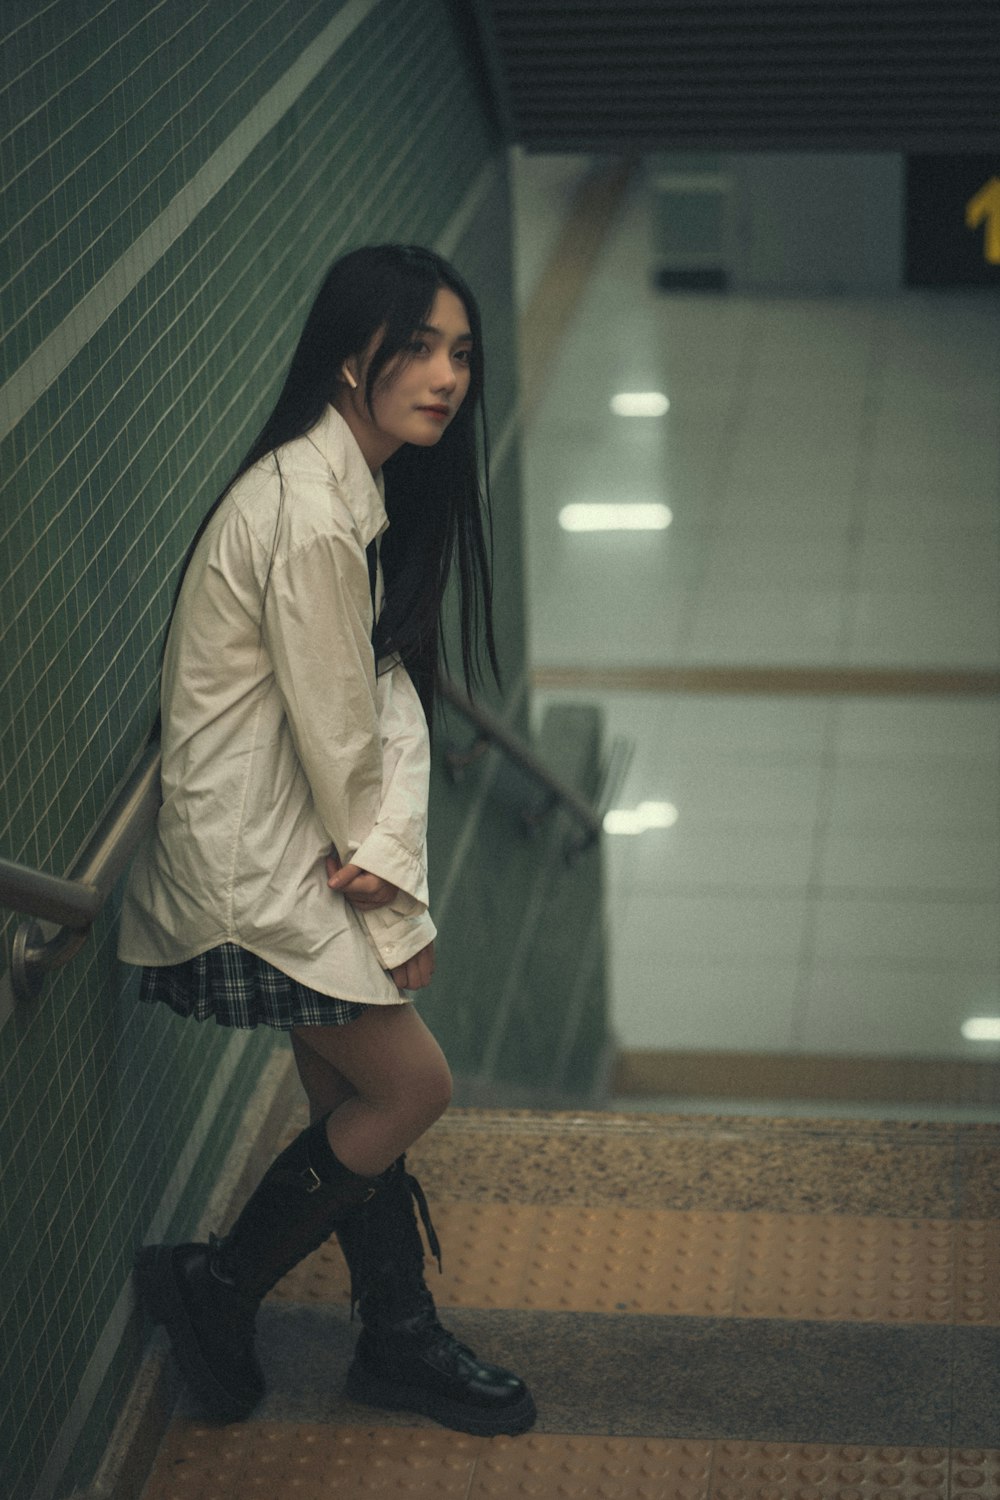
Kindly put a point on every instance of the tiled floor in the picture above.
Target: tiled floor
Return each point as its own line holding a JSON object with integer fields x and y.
{"x": 833, "y": 469}
{"x": 713, "y": 1309}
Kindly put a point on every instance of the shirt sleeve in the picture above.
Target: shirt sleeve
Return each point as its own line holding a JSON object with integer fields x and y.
{"x": 398, "y": 842}
{"x": 363, "y": 745}
{"x": 316, "y": 630}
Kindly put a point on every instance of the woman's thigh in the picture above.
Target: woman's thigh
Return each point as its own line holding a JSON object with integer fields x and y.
{"x": 325, "y": 1086}
{"x": 384, "y": 1057}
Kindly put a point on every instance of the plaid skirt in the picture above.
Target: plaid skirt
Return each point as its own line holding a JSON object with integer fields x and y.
{"x": 236, "y": 988}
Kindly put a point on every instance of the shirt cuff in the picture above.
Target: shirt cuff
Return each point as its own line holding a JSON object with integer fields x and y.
{"x": 397, "y": 935}
{"x": 382, "y": 854}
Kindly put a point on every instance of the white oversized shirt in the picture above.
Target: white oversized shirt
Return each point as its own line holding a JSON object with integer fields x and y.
{"x": 280, "y": 745}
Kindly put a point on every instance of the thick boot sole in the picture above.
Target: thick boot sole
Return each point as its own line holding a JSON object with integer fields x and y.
{"x": 156, "y": 1284}
{"x": 378, "y": 1390}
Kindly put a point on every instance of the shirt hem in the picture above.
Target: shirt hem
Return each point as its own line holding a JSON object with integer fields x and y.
{"x": 321, "y": 988}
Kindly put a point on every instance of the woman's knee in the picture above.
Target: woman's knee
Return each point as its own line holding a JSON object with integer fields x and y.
{"x": 437, "y": 1089}
{"x": 392, "y": 1062}
{"x": 424, "y": 1072}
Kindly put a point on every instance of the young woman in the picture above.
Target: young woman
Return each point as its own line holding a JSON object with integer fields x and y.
{"x": 286, "y": 881}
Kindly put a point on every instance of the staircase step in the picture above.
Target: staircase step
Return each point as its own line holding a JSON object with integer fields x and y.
{"x": 713, "y": 1309}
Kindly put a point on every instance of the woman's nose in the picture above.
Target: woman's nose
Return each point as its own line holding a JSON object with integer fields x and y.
{"x": 444, "y": 375}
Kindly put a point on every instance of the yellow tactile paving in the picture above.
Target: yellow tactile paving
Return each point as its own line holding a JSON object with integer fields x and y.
{"x": 606, "y": 1260}
{"x": 975, "y": 1473}
{"x": 777, "y": 1471}
{"x": 295, "y": 1461}
{"x": 977, "y": 1297}
{"x": 750, "y": 1265}
{"x": 885, "y": 1270}
{"x": 881, "y": 1270}
{"x": 273, "y": 1460}
{"x": 593, "y": 1468}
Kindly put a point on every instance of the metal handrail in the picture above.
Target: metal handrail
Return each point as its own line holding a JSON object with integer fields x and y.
{"x": 557, "y": 792}
{"x": 76, "y": 901}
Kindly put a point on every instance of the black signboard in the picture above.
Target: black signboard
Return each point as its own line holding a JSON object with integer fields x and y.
{"x": 953, "y": 221}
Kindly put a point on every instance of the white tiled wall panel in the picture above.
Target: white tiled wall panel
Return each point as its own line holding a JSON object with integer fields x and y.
{"x": 832, "y": 883}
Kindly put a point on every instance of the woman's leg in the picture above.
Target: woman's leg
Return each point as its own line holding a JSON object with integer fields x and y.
{"x": 385, "y": 1080}
{"x": 325, "y": 1086}
{"x": 374, "y": 1086}
{"x": 392, "y": 1083}
{"x": 382, "y": 1080}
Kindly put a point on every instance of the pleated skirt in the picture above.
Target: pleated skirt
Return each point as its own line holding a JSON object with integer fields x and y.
{"x": 232, "y": 987}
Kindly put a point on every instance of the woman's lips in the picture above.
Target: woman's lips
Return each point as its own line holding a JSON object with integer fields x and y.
{"x": 439, "y": 413}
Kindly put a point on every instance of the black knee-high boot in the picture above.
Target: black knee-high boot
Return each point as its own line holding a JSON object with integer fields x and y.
{"x": 207, "y": 1295}
{"x": 405, "y": 1360}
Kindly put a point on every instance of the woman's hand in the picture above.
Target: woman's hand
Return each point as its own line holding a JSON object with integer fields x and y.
{"x": 416, "y": 972}
{"x": 363, "y": 890}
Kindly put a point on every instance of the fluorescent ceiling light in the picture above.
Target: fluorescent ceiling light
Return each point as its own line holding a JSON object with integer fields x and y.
{"x": 981, "y": 1029}
{"x": 639, "y": 404}
{"x": 614, "y": 518}
{"x": 636, "y": 820}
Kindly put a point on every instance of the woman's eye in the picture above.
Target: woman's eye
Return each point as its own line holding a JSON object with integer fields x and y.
{"x": 464, "y": 356}
{"x": 418, "y": 346}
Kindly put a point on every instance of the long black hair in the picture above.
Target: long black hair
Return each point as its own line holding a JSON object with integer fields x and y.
{"x": 438, "y": 507}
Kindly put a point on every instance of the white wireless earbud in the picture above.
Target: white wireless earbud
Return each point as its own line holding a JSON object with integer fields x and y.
{"x": 349, "y": 378}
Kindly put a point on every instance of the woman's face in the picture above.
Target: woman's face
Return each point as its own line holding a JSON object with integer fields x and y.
{"x": 414, "y": 400}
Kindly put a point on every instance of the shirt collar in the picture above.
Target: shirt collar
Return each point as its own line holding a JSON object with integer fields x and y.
{"x": 363, "y": 490}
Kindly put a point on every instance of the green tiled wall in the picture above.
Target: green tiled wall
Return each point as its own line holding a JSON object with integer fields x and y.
{"x": 144, "y": 323}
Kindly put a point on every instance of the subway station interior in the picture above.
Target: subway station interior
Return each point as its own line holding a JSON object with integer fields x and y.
{"x": 715, "y": 867}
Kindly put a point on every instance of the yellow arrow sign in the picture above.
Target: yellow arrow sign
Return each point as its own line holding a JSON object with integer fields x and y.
{"x": 986, "y": 205}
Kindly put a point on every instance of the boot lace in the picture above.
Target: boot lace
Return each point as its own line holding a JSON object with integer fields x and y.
{"x": 417, "y": 1194}
{"x": 360, "y": 1265}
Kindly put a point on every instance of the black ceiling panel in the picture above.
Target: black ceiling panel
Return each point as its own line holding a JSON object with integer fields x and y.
{"x": 904, "y": 75}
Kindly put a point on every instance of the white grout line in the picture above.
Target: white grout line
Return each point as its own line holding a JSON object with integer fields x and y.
{"x": 41, "y": 368}
{"x": 114, "y": 1329}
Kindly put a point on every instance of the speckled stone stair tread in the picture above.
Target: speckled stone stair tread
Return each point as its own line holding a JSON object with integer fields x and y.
{"x": 711, "y": 1163}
